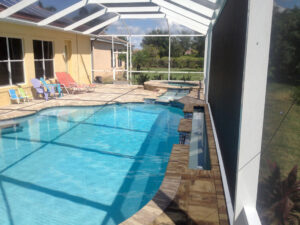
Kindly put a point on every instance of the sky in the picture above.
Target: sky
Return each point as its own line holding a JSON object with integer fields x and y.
{"x": 144, "y": 26}
{"x": 288, "y": 3}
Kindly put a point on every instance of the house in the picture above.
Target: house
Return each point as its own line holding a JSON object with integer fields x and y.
{"x": 32, "y": 52}
{"x": 105, "y": 64}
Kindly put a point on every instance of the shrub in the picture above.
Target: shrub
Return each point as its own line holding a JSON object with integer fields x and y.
{"x": 142, "y": 78}
{"x": 279, "y": 200}
{"x": 173, "y": 77}
{"x": 157, "y": 77}
{"x": 186, "y": 77}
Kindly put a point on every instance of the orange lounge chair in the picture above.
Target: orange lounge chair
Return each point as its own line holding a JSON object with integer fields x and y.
{"x": 67, "y": 82}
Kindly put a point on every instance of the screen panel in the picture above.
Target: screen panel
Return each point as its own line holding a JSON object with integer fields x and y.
{"x": 225, "y": 84}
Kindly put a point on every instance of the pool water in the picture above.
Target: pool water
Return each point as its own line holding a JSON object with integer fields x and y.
{"x": 181, "y": 84}
{"x": 84, "y": 165}
{"x": 173, "y": 94}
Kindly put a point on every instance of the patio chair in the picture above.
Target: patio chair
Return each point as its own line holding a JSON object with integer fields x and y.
{"x": 25, "y": 95}
{"x": 68, "y": 82}
{"x": 40, "y": 89}
{"x": 49, "y": 86}
{"x": 14, "y": 97}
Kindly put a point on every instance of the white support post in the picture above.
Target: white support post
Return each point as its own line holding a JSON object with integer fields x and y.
{"x": 127, "y": 63}
{"x": 169, "y": 58}
{"x": 183, "y": 12}
{"x": 207, "y": 57}
{"x": 252, "y": 107}
{"x": 16, "y": 7}
{"x": 196, "y": 7}
{"x": 106, "y": 23}
{"x": 133, "y": 9}
{"x": 192, "y": 24}
{"x": 113, "y": 57}
{"x": 63, "y": 13}
{"x": 130, "y": 65}
{"x": 143, "y": 16}
{"x": 86, "y": 19}
{"x": 118, "y": 1}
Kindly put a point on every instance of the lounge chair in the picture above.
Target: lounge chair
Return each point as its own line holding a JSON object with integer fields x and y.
{"x": 25, "y": 95}
{"x": 49, "y": 86}
{"x": 68, "y": 82}
{"x": 14, "y": 97}
{"x": 40, "y": 89}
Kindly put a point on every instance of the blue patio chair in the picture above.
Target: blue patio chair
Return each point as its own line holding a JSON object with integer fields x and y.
{"x": 14, "y": 97}
{"x": 54, "y": 86}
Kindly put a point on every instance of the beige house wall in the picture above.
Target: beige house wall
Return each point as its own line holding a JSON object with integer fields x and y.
{"x": 81, "y": 65}
{"x": 102, "y": 60}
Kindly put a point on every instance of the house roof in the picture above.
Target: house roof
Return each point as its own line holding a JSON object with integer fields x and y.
{"x": 91, "y": 17}
{"x": 109, "y": 40}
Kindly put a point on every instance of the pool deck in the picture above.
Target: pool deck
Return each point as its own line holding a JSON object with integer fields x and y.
{"x": 186, "y": 196}
{"x": 104, "y": 94}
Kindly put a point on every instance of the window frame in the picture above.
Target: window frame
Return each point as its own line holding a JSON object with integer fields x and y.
{"x": 43, "y": 60}
{"x": 9, "y": 61}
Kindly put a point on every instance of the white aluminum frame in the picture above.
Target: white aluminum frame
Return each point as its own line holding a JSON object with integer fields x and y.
{"x": 63, "y": 13}
{"x": 86, "y": 19}
{"x": 106, "y": 23}
{"x": 257, "y": 46}
{"x": 133, "y": 9}
{"x": 117, "y": 1}
{"x": 192, "y": 24}
{"x": 196, "y": 7}
{"x": 142, "y": 16}
{"x": 175, "y": 12}
{"x": 129, "y": 70}
{"x": 15, "y": 8}
{"x": 183, "y": 12}
{"x": 252, "y": 108}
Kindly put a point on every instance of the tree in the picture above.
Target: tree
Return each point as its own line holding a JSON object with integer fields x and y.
{"x": 147, "y": 57}
{"x": 177, "y": 49}
{"x": 198, "y": 44}
{"x": 285, "y": 46}
{"x": 161, "y": 43}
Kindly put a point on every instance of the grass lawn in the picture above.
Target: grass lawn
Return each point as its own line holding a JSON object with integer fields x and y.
{"x": 174, "y": 76}
{"x": 163, "y": 76}
{"x": 284, "y": 148}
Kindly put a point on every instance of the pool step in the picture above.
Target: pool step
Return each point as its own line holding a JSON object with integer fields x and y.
{"x": 10, "y": 127}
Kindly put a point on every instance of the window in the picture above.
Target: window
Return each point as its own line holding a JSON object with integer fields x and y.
{"x": 43, "y": 59}
{"x": 11, "y": 61}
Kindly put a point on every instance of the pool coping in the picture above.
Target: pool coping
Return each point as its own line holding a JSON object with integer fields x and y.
{"x": 154, "y": 212}
{"x": 161, "y": 84}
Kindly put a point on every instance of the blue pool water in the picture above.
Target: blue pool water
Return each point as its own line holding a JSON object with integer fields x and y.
{"x": 181, "y": 84}
{"x": 84, "y": 165}
{"x": 173, "y": 94}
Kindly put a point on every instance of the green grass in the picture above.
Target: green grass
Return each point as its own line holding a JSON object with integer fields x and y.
{"x": 284, "y": 148}
{"x": 174, "y": 76}
{"x": 152, "y": 76}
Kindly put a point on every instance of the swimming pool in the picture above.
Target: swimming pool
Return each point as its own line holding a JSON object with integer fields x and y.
{"x": 84, "y": 165}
